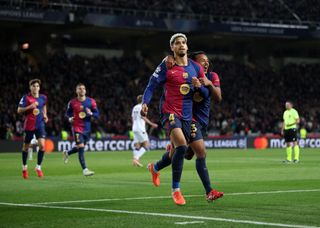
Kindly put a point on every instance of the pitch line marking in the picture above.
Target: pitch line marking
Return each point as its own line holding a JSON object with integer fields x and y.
{"x": 169, "y": 197}
{"x": 162, "y": 215}
{"x": 187, "y": 223}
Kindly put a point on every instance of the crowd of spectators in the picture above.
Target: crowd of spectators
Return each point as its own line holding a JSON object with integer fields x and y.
{"x": 269, "y": 10}
{"x": 253, "y": 97}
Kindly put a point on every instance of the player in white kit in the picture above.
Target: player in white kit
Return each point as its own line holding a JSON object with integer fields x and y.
{"x": 33, "y": 143}
{"x": 141, "y": 139}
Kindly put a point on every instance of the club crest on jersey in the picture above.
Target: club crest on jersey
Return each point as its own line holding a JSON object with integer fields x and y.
{"x": 81, "y": 107}
{"x": 185, "y": 74}
{"x": 35, "y": 111}
{"x": 184, "y": 89}
{"x": 82, "y": 115}
{"x": 197, "y": 97}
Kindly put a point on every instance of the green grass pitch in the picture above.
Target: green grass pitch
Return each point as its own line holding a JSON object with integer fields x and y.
{"x": 260, "y": 191}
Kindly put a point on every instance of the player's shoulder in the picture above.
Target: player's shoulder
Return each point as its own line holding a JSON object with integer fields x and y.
{"x": 161, "y": 69}
{"x": 73, "y": 100}
{"x": 137, "y": 106}
{"x": 91, "y": 99}
{"x": 43, "y": 96}
{"x": 194, "y": 63}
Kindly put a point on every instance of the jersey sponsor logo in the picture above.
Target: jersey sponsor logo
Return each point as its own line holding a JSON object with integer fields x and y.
{"x": 82, "y": 115}
{"x": 197, "y": 97}
{"x": 184, "y": 89}
{"x": 36, "y": 111}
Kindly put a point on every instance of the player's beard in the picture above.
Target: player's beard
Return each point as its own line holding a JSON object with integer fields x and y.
{"x": 182, "y": 54}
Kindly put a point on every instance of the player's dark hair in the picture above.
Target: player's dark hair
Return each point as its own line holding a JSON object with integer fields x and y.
{"x": 139, "y": 99}
{"x": 33, "y": 81}
{"x": 193, "y": 56}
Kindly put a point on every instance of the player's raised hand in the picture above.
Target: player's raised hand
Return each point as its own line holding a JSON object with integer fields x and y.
{"x": 33, "y": 105}
{"x": 144, "y": 110}
{"x": 88, "y": 111}
{"x": 71, "y": 119}
{"x": 154, "y": 125}
{"x": 195, "y": 82}
{"x": 169, "y": 60}
{"x": 205, "y": 81}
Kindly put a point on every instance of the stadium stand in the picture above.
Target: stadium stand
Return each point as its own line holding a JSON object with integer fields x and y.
{"x": 253, "y": 98}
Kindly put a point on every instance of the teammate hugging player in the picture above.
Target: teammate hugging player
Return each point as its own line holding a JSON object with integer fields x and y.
{"x": 175, "y": 104}
{"x": 201, "y": 110}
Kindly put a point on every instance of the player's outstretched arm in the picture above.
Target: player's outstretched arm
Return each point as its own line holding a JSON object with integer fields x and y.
{"x": 24, "y": 109}
{"x": 152, "y": 124}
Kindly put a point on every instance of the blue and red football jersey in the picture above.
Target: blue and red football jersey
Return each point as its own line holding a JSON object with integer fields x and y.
{"x": 33, "y": 117}
{"x": 178, "y": 88}
{"x": 77, "y": 110}
{"x": 201, "y": 106}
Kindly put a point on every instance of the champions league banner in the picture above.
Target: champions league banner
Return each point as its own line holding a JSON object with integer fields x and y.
{"x": 109, "y": 145}
{"x": 50, "y": 17}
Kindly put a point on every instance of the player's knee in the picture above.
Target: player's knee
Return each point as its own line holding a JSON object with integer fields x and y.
{"x": 201, "y": 155}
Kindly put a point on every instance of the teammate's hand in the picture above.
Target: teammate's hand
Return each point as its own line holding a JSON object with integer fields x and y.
{"x": 169, "y": 60}
{"x": 205, "y": 81}
{"x": 195, "y": 82}
{"x": 71, "y": 119}
{"x": 88, "y": 111}
{"x": 144, "y": 110}
{"x": 45, "y": 118}
{"x": 154, "y": 125}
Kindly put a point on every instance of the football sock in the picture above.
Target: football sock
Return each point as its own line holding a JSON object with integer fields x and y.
{"x": 289, "y": 153}
{"x": 73, "y": 151}
{"x": 81, "y": 158}
{"x": 296, "y": 150}
{"x": 141, "y": 152}
{"x": 136, "y": 153}
{"x": 203, "y": 173}
{"x": 24, "y": 157}
{"x": 177, "y": 165}
{"x": 163, "y": 162}
{"x": 40, "y": 157}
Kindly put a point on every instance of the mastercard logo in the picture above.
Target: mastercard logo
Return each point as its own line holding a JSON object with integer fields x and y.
{"x": 48, "y": 146}
{"x": 260, "y": 143}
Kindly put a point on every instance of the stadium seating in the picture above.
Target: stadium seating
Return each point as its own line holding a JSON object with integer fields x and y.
{"x": 253, "y": 98}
